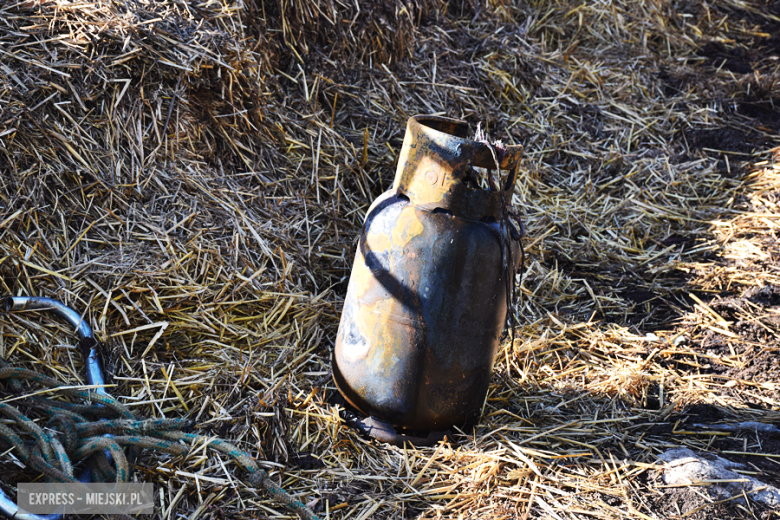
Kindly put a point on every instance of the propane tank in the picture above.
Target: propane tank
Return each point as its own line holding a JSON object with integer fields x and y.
{"x": 427, "y": 297}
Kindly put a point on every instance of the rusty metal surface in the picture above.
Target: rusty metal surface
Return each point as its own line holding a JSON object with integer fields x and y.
{"x": 426, "y": 301}
{"x": 435, "y": 162}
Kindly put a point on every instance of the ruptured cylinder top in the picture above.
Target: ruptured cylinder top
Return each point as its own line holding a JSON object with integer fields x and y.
{"x": 435, "y": 160}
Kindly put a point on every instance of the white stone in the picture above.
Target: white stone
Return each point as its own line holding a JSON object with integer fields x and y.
{"x": 684, "y": 467}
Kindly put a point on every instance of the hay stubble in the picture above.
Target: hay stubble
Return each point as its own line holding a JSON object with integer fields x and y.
{"x": 193, "y": 175}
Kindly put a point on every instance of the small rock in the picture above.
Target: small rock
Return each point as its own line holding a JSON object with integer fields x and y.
{"x": 747, "y": 425}
{"x": 685, "y": 467}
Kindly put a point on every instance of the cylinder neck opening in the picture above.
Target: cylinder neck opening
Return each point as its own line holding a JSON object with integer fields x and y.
{"x": 456, "y": 128}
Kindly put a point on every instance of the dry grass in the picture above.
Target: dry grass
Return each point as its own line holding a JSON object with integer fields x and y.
{"x": 193, "y": 174}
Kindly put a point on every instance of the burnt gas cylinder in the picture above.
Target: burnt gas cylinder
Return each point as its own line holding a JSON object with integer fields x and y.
{"x": 427, "y": 297}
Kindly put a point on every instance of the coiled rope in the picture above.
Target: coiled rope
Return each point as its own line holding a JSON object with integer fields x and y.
{"x": 78, "y": 432}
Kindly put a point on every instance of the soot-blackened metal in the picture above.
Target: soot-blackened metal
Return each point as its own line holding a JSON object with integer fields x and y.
{"x": 426, "y": 301}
